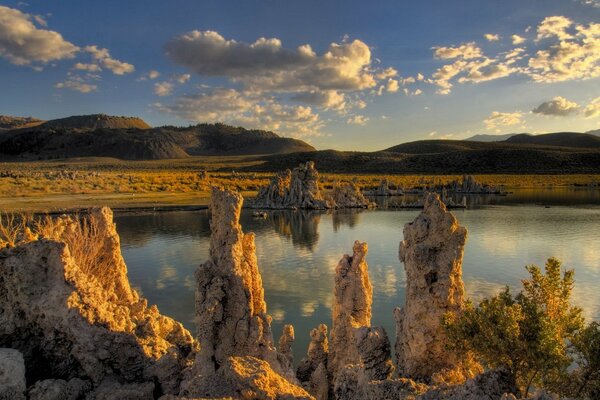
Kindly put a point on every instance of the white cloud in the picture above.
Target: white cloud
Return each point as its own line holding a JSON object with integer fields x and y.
{"x": 77, "y": 84}
{"x": 491, "y": 37}
{"x": 163, "y": 88}
{"x": 22, "y": 43}
{"x": 555, "y": 26}
{"x": 500, "y": 119}
{"x": 328, "y": 99}
{"x": 266, "y": 65}
{"x": 516, "y": 39}
{"x": 558, "y": 106}
{"x": 153, "y": 74}
{"x": 357, "y": 120}
{"x": 87, "y": 67}
{"x": 392, "y": 85}
{"x": 465, "y": 51}
{"x": 246, "y": 109}
{"x": 103, "y": 58}
{"x": 572, "y": 57}
{"x": 593, "y": 3}
{"x": 182, "y": 78}
{"x": 592, "y": 110}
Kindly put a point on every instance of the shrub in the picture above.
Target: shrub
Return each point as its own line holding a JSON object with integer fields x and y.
{"x": 530, "y": 334}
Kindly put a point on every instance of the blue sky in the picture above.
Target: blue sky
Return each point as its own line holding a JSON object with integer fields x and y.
{"x": 344, "y": 74}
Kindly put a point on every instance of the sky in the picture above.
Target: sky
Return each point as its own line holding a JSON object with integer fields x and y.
{"x": 349, "y": 75}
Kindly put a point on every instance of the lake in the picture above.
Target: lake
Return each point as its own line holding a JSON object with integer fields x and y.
{"x": 298, "y": 252}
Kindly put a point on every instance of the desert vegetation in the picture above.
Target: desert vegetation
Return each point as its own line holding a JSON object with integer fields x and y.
{"x": 189, "y": 181}
{"x": 537, "y": 335}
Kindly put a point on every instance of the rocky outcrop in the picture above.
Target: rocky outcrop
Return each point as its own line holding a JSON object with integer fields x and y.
{"x": 348, "y": 195}
{"x": 298, "y": 189}
{"x": 73, "y": 321}
{"x": 231, "y": 313}
{"x": 312, "y": 371}
{"x": 374, "y": 351}
{"x": 12, "y": 375}
{"x": 58, "y": 389}
{"x": 285, "y": 348}
{"x": 432, "y": 252}
{"x": 351, "y": 308}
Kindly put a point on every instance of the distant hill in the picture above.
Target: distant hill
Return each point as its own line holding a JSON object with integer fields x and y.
{"x": 564, "y": 139}
{"x": 594, "y": 132}
{"x": 96, "y": 121}
{"x": 447, "y": 157}
{"x": 8, "y": 123}
{"x": 492, "y": 138}
{"x": 132, "y": 139}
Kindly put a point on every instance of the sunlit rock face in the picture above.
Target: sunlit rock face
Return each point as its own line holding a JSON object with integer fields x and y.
{"x": 312, "y": 370}
{"x": 432, "y": 253}
{"x": 298, "y": 189}
{"x": 231, "y": 313}
{"x": 353, "y": 296}
{"x": 73, "y": 322}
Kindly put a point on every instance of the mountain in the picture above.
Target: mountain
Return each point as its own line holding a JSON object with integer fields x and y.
{"x": 564, "y": 139}
{"x": 96, "y": 121}
{"x": 132, "y": 139}
{"x": 594, "y": 132}
{"x": 447, "y": 157}
{"x": 8, "y": 123}
{"x": 491, "y": 138}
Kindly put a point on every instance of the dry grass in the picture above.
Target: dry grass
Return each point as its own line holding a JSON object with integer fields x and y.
{"x": 81, "y": 233}
{"x": 166, "y": 182}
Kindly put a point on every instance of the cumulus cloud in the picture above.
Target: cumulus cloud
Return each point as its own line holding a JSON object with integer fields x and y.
{"x": 87, "y": 67}
{"x": 150, "y": 75}
{"x": 77, "y": 84}
{"x": 328, "y": 99}
{"x": 22, "y": 43}
{"x": 491, "y": 37}
{"x": 564, "y": 50}
{"x": 592, "y": 110}
{"x": 500, "y": 119}
{"x": 571, "y": 57}
{"x": 558, "y": 106}
{"x": 267, "y": 65}
{"x": 163, "y": 88}
{"x": 103, "y": 58}
{"x": 181, "y": 78}
{"x": 516, "y": 39}
{"x": 465, "y": 51}
{"x": 357, "y": 120}
{"x": 245, "y": 108}
{"x": 554, "y": 26}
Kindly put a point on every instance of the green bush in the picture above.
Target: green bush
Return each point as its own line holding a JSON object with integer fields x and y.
{"x": 531, "y": 335}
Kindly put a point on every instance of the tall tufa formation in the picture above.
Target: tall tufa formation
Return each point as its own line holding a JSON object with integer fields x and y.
{"x": 312, "y": 371}
{"x": 353, "y": 295}
{"x": 231, "y": 313}
{"x": 432, "y": 253}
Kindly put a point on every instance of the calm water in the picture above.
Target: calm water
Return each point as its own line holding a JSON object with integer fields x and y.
{"x": 298, "y": 252}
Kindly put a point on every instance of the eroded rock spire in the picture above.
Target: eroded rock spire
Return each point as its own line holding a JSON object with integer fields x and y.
{"x": 432, "y": 253}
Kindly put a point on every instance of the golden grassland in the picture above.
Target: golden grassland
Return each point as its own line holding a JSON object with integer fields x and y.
{"x": 78, "y": 183}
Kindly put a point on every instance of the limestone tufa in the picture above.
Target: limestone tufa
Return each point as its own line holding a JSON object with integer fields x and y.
{"x": 432, "y": 253}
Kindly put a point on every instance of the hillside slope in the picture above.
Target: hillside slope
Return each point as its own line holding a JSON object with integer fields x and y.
{"x": 451, "y": 157}
{"x": 132, "y": 139}
{"x": 8, "y": 122}
{"x": 564, "y": 139}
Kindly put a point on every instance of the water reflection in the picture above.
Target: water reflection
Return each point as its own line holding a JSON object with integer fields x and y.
{"x": 298, "y": 252}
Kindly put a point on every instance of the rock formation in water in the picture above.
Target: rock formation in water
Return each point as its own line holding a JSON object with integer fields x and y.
{"x": 351, "y": 308}
{"x": 285, "y": 348}
{"x": 231, "y": 313}
{"x": 298, "y": 189}
{"x": 432, "y": 253}
{"x": 384, "y": 189}
{"x": 312, "y": 371}
{"x": 348, "y": 195}
{"x": 86, "y": 322}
